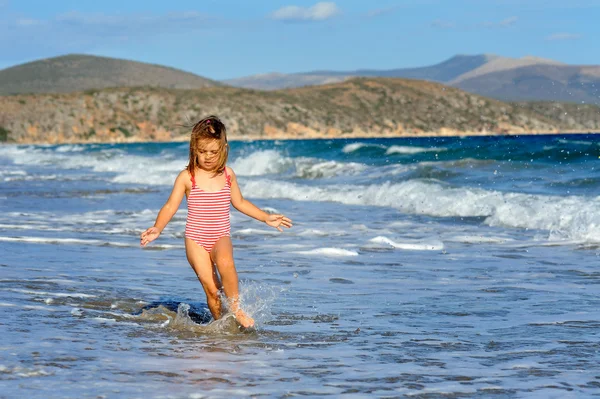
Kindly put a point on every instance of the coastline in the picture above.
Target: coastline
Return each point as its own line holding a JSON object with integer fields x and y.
{"x": 311, "y": 136}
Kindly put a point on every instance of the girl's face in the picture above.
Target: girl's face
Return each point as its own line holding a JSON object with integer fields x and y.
{"x": 208, "y": 154}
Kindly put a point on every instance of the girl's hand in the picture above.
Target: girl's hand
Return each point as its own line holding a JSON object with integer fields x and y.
{"x": 148, "y": 236}
{"x": 277, "y": 221}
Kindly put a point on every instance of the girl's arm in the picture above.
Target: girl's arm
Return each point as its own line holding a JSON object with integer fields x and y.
{"x": 167, "y": 211}
{"x": 248, "y": 208}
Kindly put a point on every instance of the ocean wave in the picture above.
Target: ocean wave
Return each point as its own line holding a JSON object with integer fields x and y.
{"x": 88, "y": 242}
{"x": 265, "y": 162}
{"x": 400, "y": 149}
{"x": 385, "y": 242}
{"x": 262, "y": 162}
{"x": 127, "y": 168}
{"x": 309, "y": 168}
{"x": 333, "y": 252}
{"x": 565, "y": 218}
{"x": 576, "y": 142}
{"x": 352, "y": 147}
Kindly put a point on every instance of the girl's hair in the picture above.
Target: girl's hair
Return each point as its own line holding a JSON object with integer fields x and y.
{"x": 209, "y": 128}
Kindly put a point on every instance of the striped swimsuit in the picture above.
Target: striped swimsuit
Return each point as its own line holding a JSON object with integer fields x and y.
{"x": 208, "y": 214}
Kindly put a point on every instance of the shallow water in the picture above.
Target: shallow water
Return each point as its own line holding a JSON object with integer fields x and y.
{"x": 421, "y": 268}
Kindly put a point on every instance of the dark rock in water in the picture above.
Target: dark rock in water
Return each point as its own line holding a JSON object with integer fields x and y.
{"x": 198, "y": 311}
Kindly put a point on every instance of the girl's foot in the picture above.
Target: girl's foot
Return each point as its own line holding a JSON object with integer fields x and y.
{"x": 244, "y": 320}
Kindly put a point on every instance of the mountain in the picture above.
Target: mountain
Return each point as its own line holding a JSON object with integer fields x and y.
{"x": 497, "y": 64}
{"x": 75, "y": 72}
{"x": 504, "y": 78}
{"x": 442, "y": 72}
{"x": 547, "y": 82}
{"x": 358, "y": 107}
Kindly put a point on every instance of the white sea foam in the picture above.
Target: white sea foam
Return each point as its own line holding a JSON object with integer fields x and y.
{"x": 261, "y": 163}
{"x": 400, "y": 149}
{"x": 319, "y": 233}
{"x": 70, "y": 148}
{"x": 309, "y": 168}
{"x": 566, "y": 218}
{"x": 472, "y": 239}
{"x": 23, "y": 372}
{"x": 348, "y": 148}
{"x": 127, "y": 168}
{"x": 579, "y": 142}
{"x": 251, "y": 232}
{"x": 412, "y": 246}
{"x": 74, "y": 241}
{"x": 55, "y": 294}
{"x": 266, "y": 162}
{"x": 334, "y": 252}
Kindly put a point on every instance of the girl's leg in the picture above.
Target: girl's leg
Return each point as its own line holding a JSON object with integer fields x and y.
{"x": 222, "y": 255}
{"x": 207, "y": 274}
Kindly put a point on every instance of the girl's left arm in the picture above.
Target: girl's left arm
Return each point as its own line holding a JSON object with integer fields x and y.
{"x": 248, "y": 208}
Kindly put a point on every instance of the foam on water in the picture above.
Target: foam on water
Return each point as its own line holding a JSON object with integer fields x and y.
{"x": 261, "y": 163}
{"x": 398, "y": 149}
{"x": 352, "y": 147}
{"x": 309, "y": 168}
{"x": 126, "y": 168}
{"x": 335, "y": 252}
{"x": 573, "y": 217}
{"x": 411, "y": 246}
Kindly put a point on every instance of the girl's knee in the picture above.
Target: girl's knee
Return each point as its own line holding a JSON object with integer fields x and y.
{"x": 225, "y": 263}
{"x": 210, "y": 287}
{"x": 212, "y": 294}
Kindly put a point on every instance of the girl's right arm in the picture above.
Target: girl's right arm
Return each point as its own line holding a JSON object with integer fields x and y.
{"x": 167, "y": 211}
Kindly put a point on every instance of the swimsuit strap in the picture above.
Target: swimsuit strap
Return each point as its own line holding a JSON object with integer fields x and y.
{"x": 193, "y": 181}
{"x": 227, "y": 176}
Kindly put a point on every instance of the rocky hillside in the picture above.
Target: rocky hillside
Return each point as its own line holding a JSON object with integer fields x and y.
{"x": 356, "y": 107}
{"x": 72, "y": 73}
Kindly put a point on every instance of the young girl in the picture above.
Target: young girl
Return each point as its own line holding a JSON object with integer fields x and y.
{"x": 210, "y": 187}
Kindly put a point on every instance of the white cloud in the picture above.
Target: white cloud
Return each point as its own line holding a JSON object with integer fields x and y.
{"x": 505, "y": 23}
{"x": 318, "y": 12}
{"x": 510, "y": 21}
{"x": 563, "y": 36}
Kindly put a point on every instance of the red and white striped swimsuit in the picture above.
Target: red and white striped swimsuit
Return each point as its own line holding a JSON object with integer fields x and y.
{"x": 208, "y": 214}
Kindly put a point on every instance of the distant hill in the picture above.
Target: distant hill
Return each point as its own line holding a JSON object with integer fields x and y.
{"x": 527, "y": 78}
{"x": 565, "y": 83}
{"x": 358, "y": 107}
{"x": 442, "y": 72}
{"x": 75, "y": 72}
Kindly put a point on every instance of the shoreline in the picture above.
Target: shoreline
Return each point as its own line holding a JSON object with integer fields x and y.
{"x": 271, "y": 137}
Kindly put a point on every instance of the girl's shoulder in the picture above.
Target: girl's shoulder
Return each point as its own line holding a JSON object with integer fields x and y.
{"x": 230, "y": 174}
{"x": 184, "y": 177}
{"x": 184, "y": 174}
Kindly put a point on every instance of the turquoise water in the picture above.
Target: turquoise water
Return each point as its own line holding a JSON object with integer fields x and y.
{"x": 446, "y": 267}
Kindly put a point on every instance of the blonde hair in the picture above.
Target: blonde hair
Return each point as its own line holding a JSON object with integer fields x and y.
{"x": 209, "y": 128}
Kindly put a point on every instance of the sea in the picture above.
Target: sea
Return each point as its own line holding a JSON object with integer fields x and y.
{"x": 454, "y": 267}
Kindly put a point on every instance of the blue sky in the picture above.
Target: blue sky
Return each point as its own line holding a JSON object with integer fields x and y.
{"x": 223, "y": 39}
